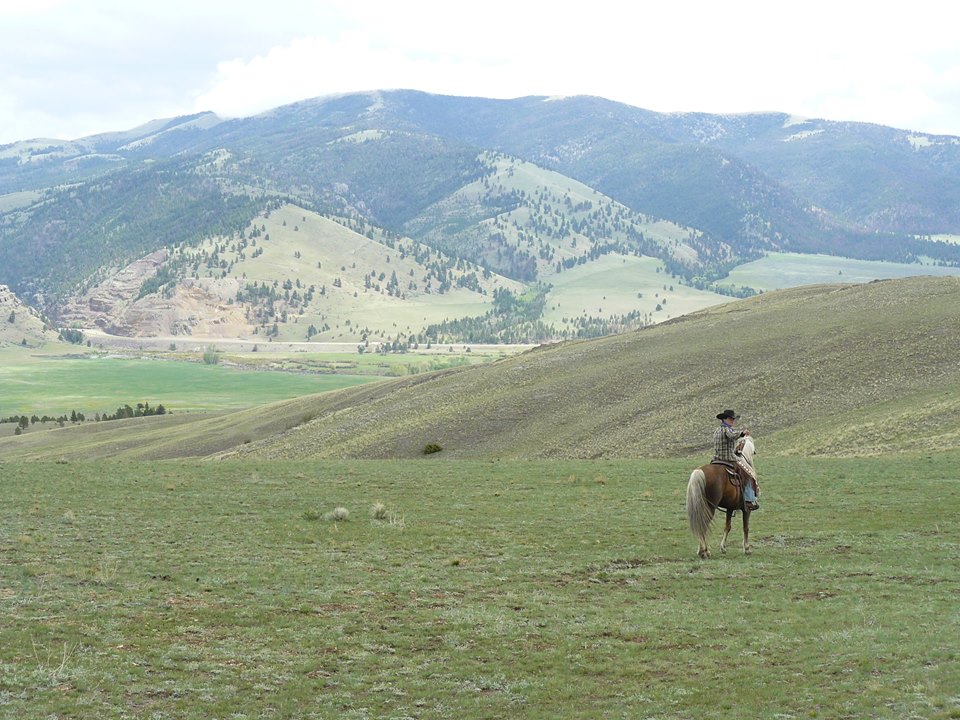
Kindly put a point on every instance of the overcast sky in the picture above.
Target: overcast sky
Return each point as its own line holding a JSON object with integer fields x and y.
{"x": 70, "y": 68}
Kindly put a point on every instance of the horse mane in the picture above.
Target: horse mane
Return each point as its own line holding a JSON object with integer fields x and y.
{"x": 747, "y": 449}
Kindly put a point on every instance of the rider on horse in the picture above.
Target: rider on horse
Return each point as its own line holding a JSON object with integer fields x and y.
{"x": 725, "y": 443}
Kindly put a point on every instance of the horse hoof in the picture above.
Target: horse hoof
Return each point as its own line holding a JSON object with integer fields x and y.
{"x": 723, "y": 548}
{"x": 747, "y": 551}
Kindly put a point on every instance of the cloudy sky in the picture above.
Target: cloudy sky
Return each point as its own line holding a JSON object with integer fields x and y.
{"x": 70, "y": 68}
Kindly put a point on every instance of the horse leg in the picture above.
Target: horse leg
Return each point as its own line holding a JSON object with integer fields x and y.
{"x": 746, "y": 533}
{"x": 704, "y": 551}
{"x": 726, "y": 531}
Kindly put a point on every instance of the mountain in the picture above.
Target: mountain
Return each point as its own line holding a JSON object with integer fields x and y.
{"x": 504, "y": 191}
{"x": 820, "y": 370}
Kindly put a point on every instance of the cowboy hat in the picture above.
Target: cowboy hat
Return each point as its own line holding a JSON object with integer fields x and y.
{"x": 728, "y": 414}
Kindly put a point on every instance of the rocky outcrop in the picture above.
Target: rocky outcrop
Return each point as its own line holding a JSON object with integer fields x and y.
{"x": 195, "y": 307}
{"x": 109, "y": 300}
{"x": 201, "y": 307}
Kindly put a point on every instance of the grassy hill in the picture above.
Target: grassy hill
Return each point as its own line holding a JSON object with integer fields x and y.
{"x": 800, "y": 365}
{"x": 826, "y": 370}
{"x": 340, "y": 280}
{"x": 20, "y": 324}
{"x": 529, "y": 222}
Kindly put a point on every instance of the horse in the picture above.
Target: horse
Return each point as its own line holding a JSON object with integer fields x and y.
{"x": 709, "y": 488}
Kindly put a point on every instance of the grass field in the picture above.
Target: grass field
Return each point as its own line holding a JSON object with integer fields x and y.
{"x": 534, "y": 590}
{"x": 57, "y": 384}
{"x": 372, "y": 363}
{"x": 616, "y": 285}
{"x": 14, "y": 200}
{"x": 946, "y": 238}
{"x": 783, "y": 270}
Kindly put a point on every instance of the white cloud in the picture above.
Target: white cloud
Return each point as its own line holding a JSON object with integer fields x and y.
{"x": 69, "y": 67}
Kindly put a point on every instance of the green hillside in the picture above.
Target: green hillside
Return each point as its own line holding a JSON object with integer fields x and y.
{"x": 528, "y": 222}
{"x": 304, "y": 276}
{"x": 586, "y": 265}
{"x": 826, "y": 370}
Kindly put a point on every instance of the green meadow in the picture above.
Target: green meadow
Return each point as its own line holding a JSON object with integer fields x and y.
{"x": 56, "y": 384}
{"x": 617, "y": 285}
{"x": 438, "y": 589}
{"x": 377, "y": 364}
{"x": 14, "y": 200}
{"x": 783, "y": 270}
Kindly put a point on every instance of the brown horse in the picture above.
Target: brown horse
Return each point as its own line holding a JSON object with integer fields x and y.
{"x": 710, "y": 488}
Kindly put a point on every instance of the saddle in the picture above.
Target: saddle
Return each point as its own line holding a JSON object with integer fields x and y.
{"x": 737, "y": 477}
{"x": 733, "y": 470}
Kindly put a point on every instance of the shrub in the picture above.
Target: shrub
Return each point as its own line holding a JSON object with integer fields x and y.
{"x": 106, "y": 571}
{"x": 340, "y": 514}
{"x": 379, "y": 511}
{"x": 311, "y": 515}
{"x": 431, "y": 448}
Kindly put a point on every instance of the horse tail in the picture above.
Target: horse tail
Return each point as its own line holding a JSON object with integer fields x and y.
{"x": 699, "y": 512}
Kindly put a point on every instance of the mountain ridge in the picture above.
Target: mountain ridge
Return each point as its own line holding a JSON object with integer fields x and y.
{"x": 736, "y": 187}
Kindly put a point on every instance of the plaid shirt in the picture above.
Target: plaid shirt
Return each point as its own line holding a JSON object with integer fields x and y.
{"x": 725, "y": 442}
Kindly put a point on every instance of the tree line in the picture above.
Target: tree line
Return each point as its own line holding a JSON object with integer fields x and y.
{"x": 125, "y": 411}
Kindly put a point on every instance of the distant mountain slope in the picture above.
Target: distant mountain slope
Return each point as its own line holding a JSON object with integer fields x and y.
{"x": 768, "y": 166}
{"x": 41, "y": 162}
{"x": 19, "y": 323}
{"x": 869, "y": 176}
{"x": 529, "y": 223}
{"x": 445, "y": 171}
{"x": 66, "y": 238}
{"x": 829, "y": 370}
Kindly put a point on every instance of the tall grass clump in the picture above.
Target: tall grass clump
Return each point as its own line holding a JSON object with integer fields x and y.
{"x": 339, "y": 514}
